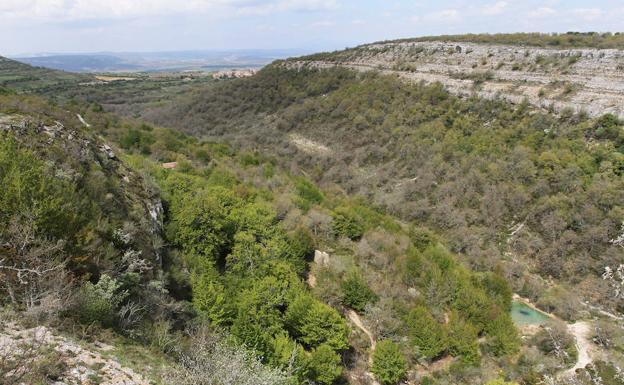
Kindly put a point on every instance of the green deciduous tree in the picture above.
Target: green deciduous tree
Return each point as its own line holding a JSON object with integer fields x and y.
{"x": 323, "y": 365}
{"x": 314, "y": 323}
{"x": 427, "y": 336}
{"x": 347, "y": 223}
{"x": 210, "y": 299}
{"x": 309, "y": 194}
{"x": 98, "y": 302}
{"x": 288, "y": 355}
{"x": 29, "y": 190}
{"x": 257, "y": 218}
{"x": 389, "y": 364}
{"x": 201, "y": 225}
{"x": 247, "y": 254}
{"x": 498, "y": 289}
{"x": 503, "y": 336}
{"x": 463, "y": 340}
{"x": 473, "y": 303}
{"x": 355, "y": 292}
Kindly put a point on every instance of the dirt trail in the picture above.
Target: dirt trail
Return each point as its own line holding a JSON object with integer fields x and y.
{"x": 604, "y": 312}
{"x": 84, "y": 122}
{"x": 357, "y": 321}
{"x": 580, "y": 330}
{"x": 355, "y": 318}
{"x": 309, "y": 146}
{"x": 582, "y": 334}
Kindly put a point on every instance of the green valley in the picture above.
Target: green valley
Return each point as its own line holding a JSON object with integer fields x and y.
{"x": 314, "y": 223}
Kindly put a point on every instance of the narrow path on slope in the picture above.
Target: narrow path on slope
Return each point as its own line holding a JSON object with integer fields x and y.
{"x": 582, "y": 333}
{"x": 355, "y": 318}
{"x": 357, "y": 321}
{"x": 84, "y": 122}
{"x": 604, "y": 312}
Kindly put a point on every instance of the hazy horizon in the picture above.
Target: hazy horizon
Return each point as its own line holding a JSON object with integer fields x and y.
{"x": 89, "y": 26}
{"x": 182, "y": 51}
{"x": 199, "y": 60}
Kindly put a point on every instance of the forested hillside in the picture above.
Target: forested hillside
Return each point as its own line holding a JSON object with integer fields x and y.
{"x": 238, "y": 252}
{"x": 530, "y": 192}
{"x": 306, "y": 226}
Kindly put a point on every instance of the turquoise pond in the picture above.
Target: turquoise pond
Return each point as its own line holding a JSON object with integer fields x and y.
{"x": 524, "y": 315}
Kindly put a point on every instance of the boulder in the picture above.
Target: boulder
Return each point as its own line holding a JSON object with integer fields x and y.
{"x": 321, "y": 258}
{"x": 108, "y": 151}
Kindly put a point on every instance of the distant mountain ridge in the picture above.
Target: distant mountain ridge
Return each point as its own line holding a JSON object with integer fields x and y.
{"x": 81, "y": 63}
{"x": 25, "y": 78}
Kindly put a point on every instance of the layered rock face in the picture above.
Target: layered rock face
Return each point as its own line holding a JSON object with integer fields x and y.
{"x": 588, "y": 80}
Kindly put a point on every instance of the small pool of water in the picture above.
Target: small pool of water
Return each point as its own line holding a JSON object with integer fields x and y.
{"x": 524, "y": 315}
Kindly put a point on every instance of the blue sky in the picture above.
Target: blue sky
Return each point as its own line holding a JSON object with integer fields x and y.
{"x": 30, "y": 26}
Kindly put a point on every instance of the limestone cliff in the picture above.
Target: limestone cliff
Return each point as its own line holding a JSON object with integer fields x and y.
{"x": 589, "y": 80}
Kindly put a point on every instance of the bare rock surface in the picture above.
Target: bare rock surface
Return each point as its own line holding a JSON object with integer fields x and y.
{"x": 83, "y": 365}
{"x": 589, "y": 80}
{"x": 321, "y": 258}
{"x": 309, "y": 146}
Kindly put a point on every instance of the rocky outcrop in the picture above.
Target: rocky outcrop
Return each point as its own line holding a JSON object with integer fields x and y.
{"x": 321, "y": 258}
{"x": 123, "y": 196}
{"x": 588, "y": 80}
{"x": 234, "y": 74}
{"x": 77, "y": 363}
{"x": 309, "y": 146}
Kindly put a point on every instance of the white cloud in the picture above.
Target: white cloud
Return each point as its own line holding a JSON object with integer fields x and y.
{"x": 264, "y": 7}
{"x": 446, "y": 15}
{"x": 94, "y": 9}
{"x": 542, "y": 12}
{"x": 588, "y": 14}
{"x": 322, "y": 23}
{"x": 309, "y": 5}
{"x": 495, "y": 9}
{"x": 265, "y": 28}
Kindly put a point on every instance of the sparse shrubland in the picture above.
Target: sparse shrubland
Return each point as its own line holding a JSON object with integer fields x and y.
{"x": 556, "y": 40}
